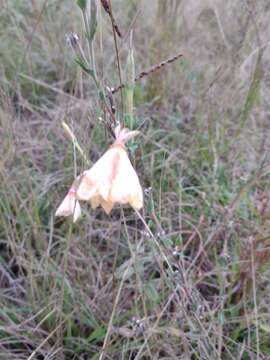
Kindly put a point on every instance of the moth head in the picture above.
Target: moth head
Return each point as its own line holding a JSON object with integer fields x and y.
{"x": 123, "y": 135}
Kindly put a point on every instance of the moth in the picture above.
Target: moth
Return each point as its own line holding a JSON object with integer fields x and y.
{"x": 111, "y": 180}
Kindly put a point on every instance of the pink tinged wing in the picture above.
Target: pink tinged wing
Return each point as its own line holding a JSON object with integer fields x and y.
{"x": 96, "y": 182}
{"x": 126, "y": 188}
{"x": 98, "y": 200}
{"x": 69, "y": 206}
{"x": 95, "y": 201}
{"x": 107, "y": 205}
{"x": 77, "y": 211}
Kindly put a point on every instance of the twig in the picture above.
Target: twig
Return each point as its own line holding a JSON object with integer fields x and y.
{"x": 75, "y": 142}
{"x": 116, "y": 30}
{"x": 108, "y": 9}
{"x": 150, "y": 71}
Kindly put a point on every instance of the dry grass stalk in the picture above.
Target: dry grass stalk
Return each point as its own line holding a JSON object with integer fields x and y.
{"x": 150, "y": 71}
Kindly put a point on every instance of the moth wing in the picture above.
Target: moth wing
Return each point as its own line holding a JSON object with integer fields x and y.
{"x": 95, "y": 201}
{"x": 107, "y": 205}
{"x": 69, "y": 206}
{"x": 66, "y": 206}
{"x": 77, "y": 211}
{"x": 126, "y": 186}
{"x": 97, "y": 180}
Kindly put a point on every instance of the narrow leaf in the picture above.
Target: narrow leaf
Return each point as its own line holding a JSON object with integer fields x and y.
{"x": 82, "y": 4}
{"x": 85, "y": 67}
{"x": 93, "y": 26}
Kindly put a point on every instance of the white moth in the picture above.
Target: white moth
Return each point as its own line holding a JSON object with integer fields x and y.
{"x": 111, "y": 180}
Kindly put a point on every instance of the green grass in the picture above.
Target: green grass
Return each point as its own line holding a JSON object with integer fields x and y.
{"x": 198, "y": 288}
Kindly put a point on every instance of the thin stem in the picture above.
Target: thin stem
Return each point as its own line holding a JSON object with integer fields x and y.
{"x": 61, "y": 302}
{"x": 116, "y": 50}
{"x": 92, "y": 53}
{"x": 105, "y": 343}
{"x": 149, "y": 71}
{"x": 155, "y": 241}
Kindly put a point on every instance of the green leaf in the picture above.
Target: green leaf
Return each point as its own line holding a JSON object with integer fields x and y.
{"x": 124, "y": 269}
{"x": 81, "y": 4}
{"x": 93, "y": 26}
{"x": 151, "y": 205}
{"x": 85, "y": 67}
{"x": 97, "y": 335}
{"x": 151, "y": 291}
